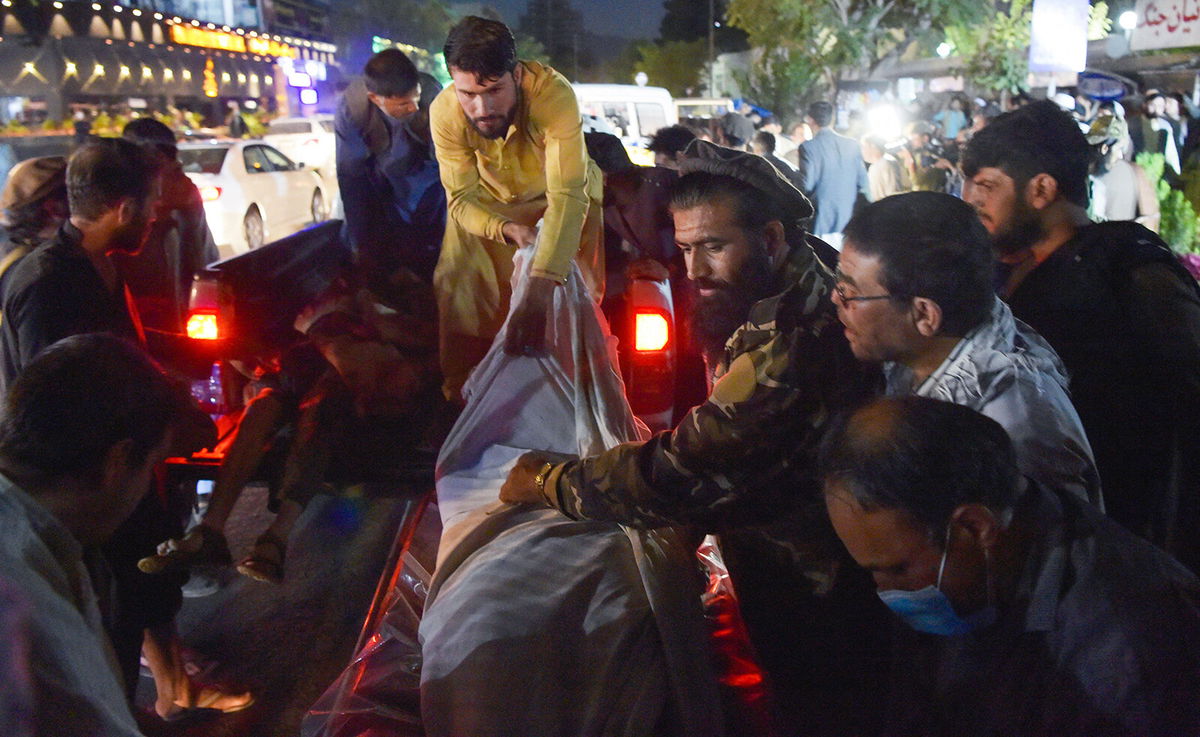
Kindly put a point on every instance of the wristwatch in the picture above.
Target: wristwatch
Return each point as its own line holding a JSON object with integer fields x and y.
{"x": 539, "y": 480}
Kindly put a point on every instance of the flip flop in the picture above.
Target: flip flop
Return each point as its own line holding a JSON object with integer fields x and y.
{"x": 210, "y": 701}
{"x": 213, "y": 551}
{"x": 262, "y": 566}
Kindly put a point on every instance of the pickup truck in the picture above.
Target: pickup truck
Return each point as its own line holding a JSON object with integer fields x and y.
{"x": 247, "y": 304}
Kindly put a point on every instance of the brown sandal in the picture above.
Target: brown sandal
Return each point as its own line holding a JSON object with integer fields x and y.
{"x": 262, "y": 565}
{"x": 173, "y": 555}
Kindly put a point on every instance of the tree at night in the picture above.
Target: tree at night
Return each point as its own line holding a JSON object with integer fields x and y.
{"x": 420, "y": 23}
{"x": 558, "y": 27}
{"x": 687, "y": 20}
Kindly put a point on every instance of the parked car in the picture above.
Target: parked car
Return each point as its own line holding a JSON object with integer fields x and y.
{"x": 252, "y": 192}
{"x": 633, "y": 113}
{"x": 309, "y": 141}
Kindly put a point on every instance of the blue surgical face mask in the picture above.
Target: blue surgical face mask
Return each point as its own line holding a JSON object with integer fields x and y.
{"x": 929, "y": 610}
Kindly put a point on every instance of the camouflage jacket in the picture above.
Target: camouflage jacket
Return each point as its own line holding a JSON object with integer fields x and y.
{"x": 747, "y": 455}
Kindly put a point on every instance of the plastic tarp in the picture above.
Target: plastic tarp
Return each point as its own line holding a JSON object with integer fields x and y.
{"x": 536, "y": 624}
{"x": 533, "y": 624}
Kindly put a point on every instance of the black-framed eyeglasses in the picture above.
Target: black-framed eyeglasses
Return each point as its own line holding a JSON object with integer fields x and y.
{"x": 840, "y": 288}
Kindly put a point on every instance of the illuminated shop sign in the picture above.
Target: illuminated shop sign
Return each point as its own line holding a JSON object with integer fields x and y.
{"x": 222, "y": 41}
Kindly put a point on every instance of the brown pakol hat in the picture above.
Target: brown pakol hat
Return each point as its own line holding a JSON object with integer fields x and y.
{"x": 30, "y": 181}
{"x": 750, "y": 168}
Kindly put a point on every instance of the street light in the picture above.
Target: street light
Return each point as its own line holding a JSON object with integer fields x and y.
{"x": 1128, "y": 20}
{"x": 944, "y": 49}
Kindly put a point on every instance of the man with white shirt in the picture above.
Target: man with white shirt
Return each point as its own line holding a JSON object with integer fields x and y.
{"x": 84, "y": 426}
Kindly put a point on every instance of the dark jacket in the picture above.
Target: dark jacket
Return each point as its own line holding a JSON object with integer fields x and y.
{"x": 388, "y": 175}
{"x": 834, "y": 176}
{"x": 1124, "y": 316}
{"x": 179, "y": 246}
{"x": 1101, "y": 638}
{"x": 55, "y": 292}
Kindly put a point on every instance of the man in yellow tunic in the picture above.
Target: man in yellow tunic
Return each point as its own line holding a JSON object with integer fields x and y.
{"x": 511, "y": 153}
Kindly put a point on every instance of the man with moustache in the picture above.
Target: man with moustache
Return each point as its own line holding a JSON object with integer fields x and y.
{"x": 915, "y": 294}
{"x": 1114, "y": 303}
{"x": 742, "y": 464}
{"x": 511, "y": 152}
{"x": 70, "y": 285}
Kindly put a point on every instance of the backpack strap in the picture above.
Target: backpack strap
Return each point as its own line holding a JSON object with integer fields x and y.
{"x": 1120, "y": 247}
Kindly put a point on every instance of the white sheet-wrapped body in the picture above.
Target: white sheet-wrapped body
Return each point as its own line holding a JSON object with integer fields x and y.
{"x": 536, "y": 624}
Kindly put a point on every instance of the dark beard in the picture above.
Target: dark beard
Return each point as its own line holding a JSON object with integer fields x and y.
{"x": 716, "y": 318}
{"x": 1022, "y": 231}
{"x": 500, "y": 131}
{"x": 508, "y": 121}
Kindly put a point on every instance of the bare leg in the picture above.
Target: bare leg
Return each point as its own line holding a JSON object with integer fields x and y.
{"x": 323, "y": 418}
{"x": 259, "y": 422}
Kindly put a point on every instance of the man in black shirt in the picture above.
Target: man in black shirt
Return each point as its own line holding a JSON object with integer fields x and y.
{"x": 69, "y": 286}
{"x": 1115, "y": 304}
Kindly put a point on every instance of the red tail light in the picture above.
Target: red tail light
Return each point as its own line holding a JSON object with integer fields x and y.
{"x": 202, "y": 325}
{"x": 651, "y": 331}
{"x": 210, "y": 194}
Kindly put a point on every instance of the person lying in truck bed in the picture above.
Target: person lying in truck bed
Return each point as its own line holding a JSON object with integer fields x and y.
{"x": 360, "y": 392}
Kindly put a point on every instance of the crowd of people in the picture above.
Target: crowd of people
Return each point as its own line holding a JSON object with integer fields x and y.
{"x": 950, "y": 447}
{"x": 925, "y": 157}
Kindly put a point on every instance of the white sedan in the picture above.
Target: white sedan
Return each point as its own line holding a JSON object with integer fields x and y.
{"x": 252, "y": 193}
{"x": 308, "y": 140}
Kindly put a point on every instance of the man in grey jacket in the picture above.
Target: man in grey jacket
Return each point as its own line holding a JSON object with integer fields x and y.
{"x": 914, "y": 292}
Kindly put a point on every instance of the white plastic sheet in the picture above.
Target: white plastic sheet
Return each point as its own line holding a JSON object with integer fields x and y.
{"x": 536, "y": 624}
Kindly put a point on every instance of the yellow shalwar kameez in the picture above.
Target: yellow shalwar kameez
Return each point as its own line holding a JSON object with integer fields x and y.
{"x": 539, "y": 170}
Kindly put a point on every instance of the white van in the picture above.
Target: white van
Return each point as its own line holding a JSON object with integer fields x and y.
{"x": 634, "y": 113}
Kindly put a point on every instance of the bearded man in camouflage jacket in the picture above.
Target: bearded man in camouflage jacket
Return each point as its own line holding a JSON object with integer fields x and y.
{"x": 743, "y": 463}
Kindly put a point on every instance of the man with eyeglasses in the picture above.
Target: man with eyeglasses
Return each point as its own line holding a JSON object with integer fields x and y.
{"x": 1025, "y": 610}
{"x": 742, "y": 464}
{"x": 914, "y": 292}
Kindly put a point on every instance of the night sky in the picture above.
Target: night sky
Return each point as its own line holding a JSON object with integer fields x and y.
{"x": 628, "y": 18}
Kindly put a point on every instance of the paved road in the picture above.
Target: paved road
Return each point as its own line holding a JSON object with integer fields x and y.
{"x": 287, "y": 643}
